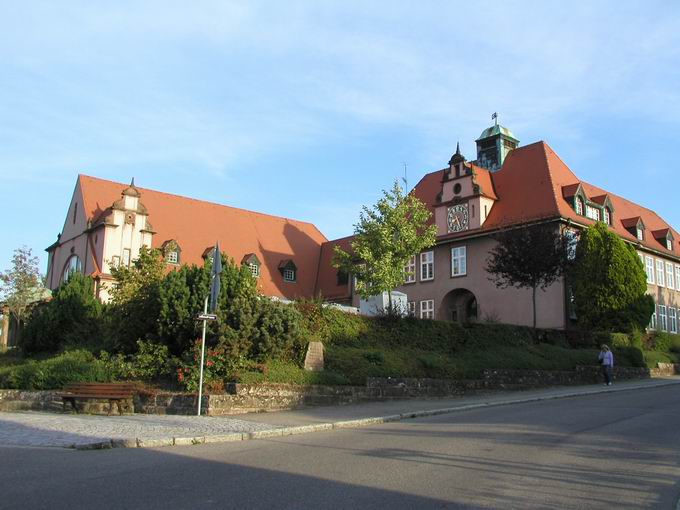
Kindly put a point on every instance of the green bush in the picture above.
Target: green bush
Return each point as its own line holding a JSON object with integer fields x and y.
{"x": 151, "y": 362}
{"x": 54, "y": 373}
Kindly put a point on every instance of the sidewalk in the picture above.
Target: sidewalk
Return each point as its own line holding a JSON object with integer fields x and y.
{"x": 97, "y": 432}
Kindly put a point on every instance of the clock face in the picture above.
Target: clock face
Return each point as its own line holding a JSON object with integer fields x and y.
{"x": 457, "y": 218}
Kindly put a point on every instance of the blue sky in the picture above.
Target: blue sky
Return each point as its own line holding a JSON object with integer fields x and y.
{"x": 309, "y": 109}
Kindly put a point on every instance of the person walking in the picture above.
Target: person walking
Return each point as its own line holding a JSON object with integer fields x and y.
{"x": 606, "y": 359}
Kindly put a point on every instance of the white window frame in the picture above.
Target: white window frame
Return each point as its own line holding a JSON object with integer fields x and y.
{"x": 649, "y": 268}
{"x": 652, "y": 320}
{"x": 172, "y": 257}
{"x": 127, "y": 256}
{"x": 427, "y": 266}
{"x": 427, "y": 309}
{"x": 578, "y": 206}
{"x": 254, "y": 269}
{"x": 677, "y": 276}
{"x": 459, "y": 261}
{"x": 672, "y": 320}
{"x": 289, "y": 275}
{"x": 663, "y": 325}
{"x": 670, "y": 278}
{"x": 410, "y": 271}
{"x": 639, "y": 234}
{"x": 660, "y": 275}
{"x": 669, "y": 245}
{"x": 607, "y": 216}
{"x": 411, "y": 308}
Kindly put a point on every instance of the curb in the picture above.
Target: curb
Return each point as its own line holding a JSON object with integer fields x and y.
{"x": 343, "y": 424}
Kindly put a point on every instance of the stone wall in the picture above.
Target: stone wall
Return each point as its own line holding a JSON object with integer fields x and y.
{"x": 246, "y": 398}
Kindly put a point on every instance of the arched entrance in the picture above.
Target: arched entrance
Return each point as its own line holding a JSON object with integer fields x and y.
{"x": 461, "y": 306}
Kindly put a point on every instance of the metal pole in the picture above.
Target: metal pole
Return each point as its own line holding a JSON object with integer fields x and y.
{"x": 200, "y": 380}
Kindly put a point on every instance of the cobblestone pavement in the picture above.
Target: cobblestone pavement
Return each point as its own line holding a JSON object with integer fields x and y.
{"x": 49, "y": 429}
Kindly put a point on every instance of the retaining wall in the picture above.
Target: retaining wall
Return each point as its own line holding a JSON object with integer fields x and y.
{"x": 247, "y": 398}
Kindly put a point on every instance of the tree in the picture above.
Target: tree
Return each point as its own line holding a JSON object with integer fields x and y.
{"x": 386, "y": 238}
{"x": 531, "y": 257}
{"x": 609, "y": 282}
{"x": 21, "y": 285}
{"x": 134, "y": 299}
{"x": 71, "y": 319}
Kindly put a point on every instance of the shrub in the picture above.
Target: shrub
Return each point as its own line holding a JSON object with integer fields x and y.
{"x": 70, "y": 320}
{"x": 54, "y": 373}
{"x": 151, "y": 362}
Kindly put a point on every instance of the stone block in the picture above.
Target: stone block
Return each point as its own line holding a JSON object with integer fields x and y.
{"x": 314, "y": 360}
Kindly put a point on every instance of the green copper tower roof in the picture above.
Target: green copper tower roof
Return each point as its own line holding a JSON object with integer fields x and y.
{"x": 495, "y": 130}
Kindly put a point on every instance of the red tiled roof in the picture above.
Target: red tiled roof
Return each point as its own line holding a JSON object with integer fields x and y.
{"x": 196, "y": 225}
{"x": 535, "y": 184}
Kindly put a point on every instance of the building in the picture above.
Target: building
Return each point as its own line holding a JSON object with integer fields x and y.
{"x": 107, "y": 223}
{"x": 508, "y": 186}
{"x": 505, "y": 186}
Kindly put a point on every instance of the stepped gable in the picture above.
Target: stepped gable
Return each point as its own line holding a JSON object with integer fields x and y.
{"x": 196, "y": 225}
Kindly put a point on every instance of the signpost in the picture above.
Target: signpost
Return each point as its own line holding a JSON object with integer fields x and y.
{"x": 205, "y": 316}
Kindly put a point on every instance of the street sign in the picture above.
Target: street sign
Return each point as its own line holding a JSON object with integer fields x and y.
{"x": 207, "y": 317}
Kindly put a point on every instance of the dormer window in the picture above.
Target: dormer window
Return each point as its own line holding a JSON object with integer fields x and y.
{"x": 578, "y": 205}
{"x": 288, "y": 270}
{"x": 253, "y": 263}
{"x": 592, "y": 212}
{"x": 669, "y": 245}
{"x": 639, "y": 233}
{"x": 171, "y": 252}
{"x": 607, "y": 216}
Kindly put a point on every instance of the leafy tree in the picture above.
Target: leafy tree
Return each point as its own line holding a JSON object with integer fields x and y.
{"x": 71, "y": 319}
{"x": 532, "y": 257}
{"x": 386, "y": 238}
{"x": 135, "y": 299}
{"x": 21, "y": 284}
{"x": 609, "y": 282}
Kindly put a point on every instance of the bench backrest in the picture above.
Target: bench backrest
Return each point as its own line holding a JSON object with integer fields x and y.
{"x": 104, "y": 389}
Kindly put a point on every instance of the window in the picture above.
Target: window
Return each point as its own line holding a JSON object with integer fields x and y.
{"x": 458, "y": 261}
{"x": 607, "y": 216}
{"x": 593, "y": 213}
{"x": 126, "y": 257}
{"x": 411, "y": 308}
{"x": 427, "y": 266}
{"x": 669, "y": 245}
{"x": 670, "y": 280}
{"x": 73, "y": 265}
{"x": 254, "y": 269}
{"x": 172, "y": 257}
{"x": 672, "y": 320}
{"x": 578, "y": 205}
{"x": 410, "y": 271}
{"x": 639, "y": 234}
{"x": 652, "y": 321}
{"x": 115, "y": 261}
{"x": 343, "y": 278}
{"x": 289, "y": 275}
{"x": 75, "y": 211}
{"x": 662, "y": 318}
{"x": 677, "y": 277}
{"x": 427, "y": 309}
{"x": 659, "y": 273}
{"x": 649, "y": 269}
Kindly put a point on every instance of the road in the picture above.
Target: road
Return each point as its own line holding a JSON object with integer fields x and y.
{"x": 613, "y": 450}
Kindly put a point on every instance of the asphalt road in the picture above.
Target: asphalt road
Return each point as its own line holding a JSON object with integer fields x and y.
{"x": 614, "y": 450}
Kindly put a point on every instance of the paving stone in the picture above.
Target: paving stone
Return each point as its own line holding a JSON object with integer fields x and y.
{"x": 69, "y": 430}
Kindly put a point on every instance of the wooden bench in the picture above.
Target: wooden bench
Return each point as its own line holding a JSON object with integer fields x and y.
{"x": 113, "y": 392}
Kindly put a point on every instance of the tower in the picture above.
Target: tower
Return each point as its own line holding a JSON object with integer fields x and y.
{"x": 493, "y": 145}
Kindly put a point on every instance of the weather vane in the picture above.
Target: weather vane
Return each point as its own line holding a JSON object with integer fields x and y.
{"x": 494, "y": 117}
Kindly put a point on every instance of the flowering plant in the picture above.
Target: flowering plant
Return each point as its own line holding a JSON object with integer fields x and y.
{"x": 218, "y": 367}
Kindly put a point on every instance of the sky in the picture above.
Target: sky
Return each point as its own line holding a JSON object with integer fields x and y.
{"x": 309, "y": 110}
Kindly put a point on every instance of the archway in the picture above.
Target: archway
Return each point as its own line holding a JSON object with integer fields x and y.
{"x": 460, "y": 305}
